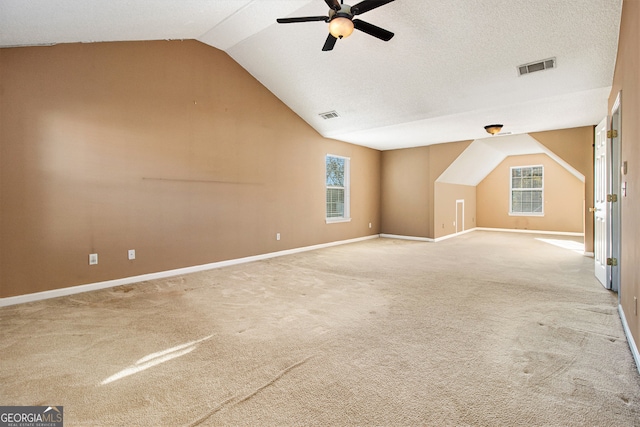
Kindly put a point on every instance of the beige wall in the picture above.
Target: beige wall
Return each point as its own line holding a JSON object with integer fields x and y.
{"x": 448, "y": 215}
{"x": 627, "y": 80}
{"x": 575, "y": 146}
{"x": 413, "y": 204}
{"x": 440, "y": 158}
{"x": 168, "y": 148}
{"x": 408, "y": 187}
{"x": 405, "y": 192}
{"x": 563, "y": 198}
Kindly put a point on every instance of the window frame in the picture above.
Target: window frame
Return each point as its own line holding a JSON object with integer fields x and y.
{"x": 346, "y": 213}
{"x": 524, "y": 189}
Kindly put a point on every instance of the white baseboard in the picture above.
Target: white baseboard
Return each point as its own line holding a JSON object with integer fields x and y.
{"x": 21, "y": 299}
{"x": 630, "y": 340}
{"x": 448, "y": 236}
{"x": 397, "y": 236}
{"x": 520, "y": 230}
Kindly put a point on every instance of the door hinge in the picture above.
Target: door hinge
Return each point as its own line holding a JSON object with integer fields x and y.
{"x": 613, "y": 262}
{"x": 612, "y": 197}
{"x": 613, "y": 133}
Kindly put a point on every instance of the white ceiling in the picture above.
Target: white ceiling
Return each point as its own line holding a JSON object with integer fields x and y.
{"x": 449, "y": 70}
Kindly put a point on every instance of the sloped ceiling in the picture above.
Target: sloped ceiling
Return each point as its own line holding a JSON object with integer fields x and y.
{"x": 483, "y": 155}
{"x": 449, "y": 70}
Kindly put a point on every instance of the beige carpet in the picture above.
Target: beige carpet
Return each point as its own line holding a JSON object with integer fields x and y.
{"x": 486, "y": 329}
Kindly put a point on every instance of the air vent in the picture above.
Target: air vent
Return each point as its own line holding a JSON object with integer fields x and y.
{"x": 532, "y": 67}
{"x": 329, "y": 115}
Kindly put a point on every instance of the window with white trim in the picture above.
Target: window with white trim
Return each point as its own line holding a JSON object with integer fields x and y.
{"x": 527, "y": 190}
{"x": 337, "y": 186}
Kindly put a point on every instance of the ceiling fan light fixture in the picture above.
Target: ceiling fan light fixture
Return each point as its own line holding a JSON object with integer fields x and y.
{"x": 493, "y": 129}
{"x": 341, "y": 27}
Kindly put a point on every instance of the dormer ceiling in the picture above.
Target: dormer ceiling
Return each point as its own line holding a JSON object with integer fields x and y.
{"x": 451, "y": 68}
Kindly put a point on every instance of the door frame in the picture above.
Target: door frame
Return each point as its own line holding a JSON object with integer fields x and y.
{"x": 600, "y": 208}
{"x": 615, "y": 232}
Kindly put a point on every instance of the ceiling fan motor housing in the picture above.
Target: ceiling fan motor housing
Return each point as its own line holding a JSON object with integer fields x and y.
{"x": 344, "y": 12}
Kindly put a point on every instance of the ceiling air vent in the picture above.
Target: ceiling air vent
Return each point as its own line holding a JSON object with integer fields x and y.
{"x": 532, "y": 67}
{"x": 329, "y": 115}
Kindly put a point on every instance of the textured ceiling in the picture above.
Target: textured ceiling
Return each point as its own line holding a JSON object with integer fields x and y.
{"x": 449, "y": 70}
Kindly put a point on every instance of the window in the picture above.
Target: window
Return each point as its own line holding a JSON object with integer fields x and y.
{"x": 337, "y": 184}
{"x": 527, "y": 190}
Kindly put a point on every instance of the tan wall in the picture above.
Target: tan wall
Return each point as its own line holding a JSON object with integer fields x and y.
{"x": 408, "y": 187}
{"x": 563, "y": 198}
{"x": 575, "y": 146}
{"x": 627, "y": 80}
{"x": 168, "y": 148}
{"x": 447, "y": 216}
{"x": 440, "y": 158}
{"x": 405, "y": 192}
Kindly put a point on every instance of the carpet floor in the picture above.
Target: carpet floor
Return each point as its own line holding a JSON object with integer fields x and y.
{"x": 485, "y": 329}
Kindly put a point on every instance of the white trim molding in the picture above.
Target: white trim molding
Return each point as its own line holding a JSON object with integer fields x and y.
{"x": 55, "y": 293}
{"x": 336, "y": 220}
{"x": 449, "y": 236}
{"x": 632, "y": 344}
{"x": 521, "y": 230}
{"x": 397, "y": 236}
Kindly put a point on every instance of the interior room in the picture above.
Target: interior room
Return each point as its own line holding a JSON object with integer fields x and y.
{"x": 176, "y": 177}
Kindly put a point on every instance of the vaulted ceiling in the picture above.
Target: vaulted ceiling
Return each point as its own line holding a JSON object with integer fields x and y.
{"x": 450, "y": 69}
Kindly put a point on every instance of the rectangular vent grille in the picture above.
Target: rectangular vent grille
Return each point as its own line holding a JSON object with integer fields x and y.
{"x": 329, "y": 115}
{"x": 536, "y": 66}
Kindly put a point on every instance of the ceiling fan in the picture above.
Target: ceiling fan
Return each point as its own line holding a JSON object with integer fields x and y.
{"x": 341, "y": 22}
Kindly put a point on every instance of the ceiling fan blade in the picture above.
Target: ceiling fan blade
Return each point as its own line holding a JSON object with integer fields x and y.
{"x": 367, "y": 5}
{"x": 302, "y": 19}
{"x": 333, "y": 4}
{"x": 372, "y": 30}
{"x": 329, "y": 43}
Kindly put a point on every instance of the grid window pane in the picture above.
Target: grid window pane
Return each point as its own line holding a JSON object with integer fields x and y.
{"x": 527, "y": 190}
{"x": 335, "y": 202}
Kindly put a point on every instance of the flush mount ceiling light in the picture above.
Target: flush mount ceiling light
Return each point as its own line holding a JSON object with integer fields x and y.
{"x": 493, "y": 129}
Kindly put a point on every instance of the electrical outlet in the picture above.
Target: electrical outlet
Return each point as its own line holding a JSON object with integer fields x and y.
{"x": 369, "y": 225}
{"x": 132, "y": 254}
{"x": 277, "y": 236}
{"x": 635, "y": 305}
{"x": 93, "y": 259}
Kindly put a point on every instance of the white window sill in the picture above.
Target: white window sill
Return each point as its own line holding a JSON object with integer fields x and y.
{"x": 526, "y": 214}
{"x": 337, "y": 220}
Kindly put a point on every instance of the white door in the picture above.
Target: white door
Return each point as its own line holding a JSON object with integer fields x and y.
{"x": 600, "y": 185}
{"x": 614, "y": 215}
